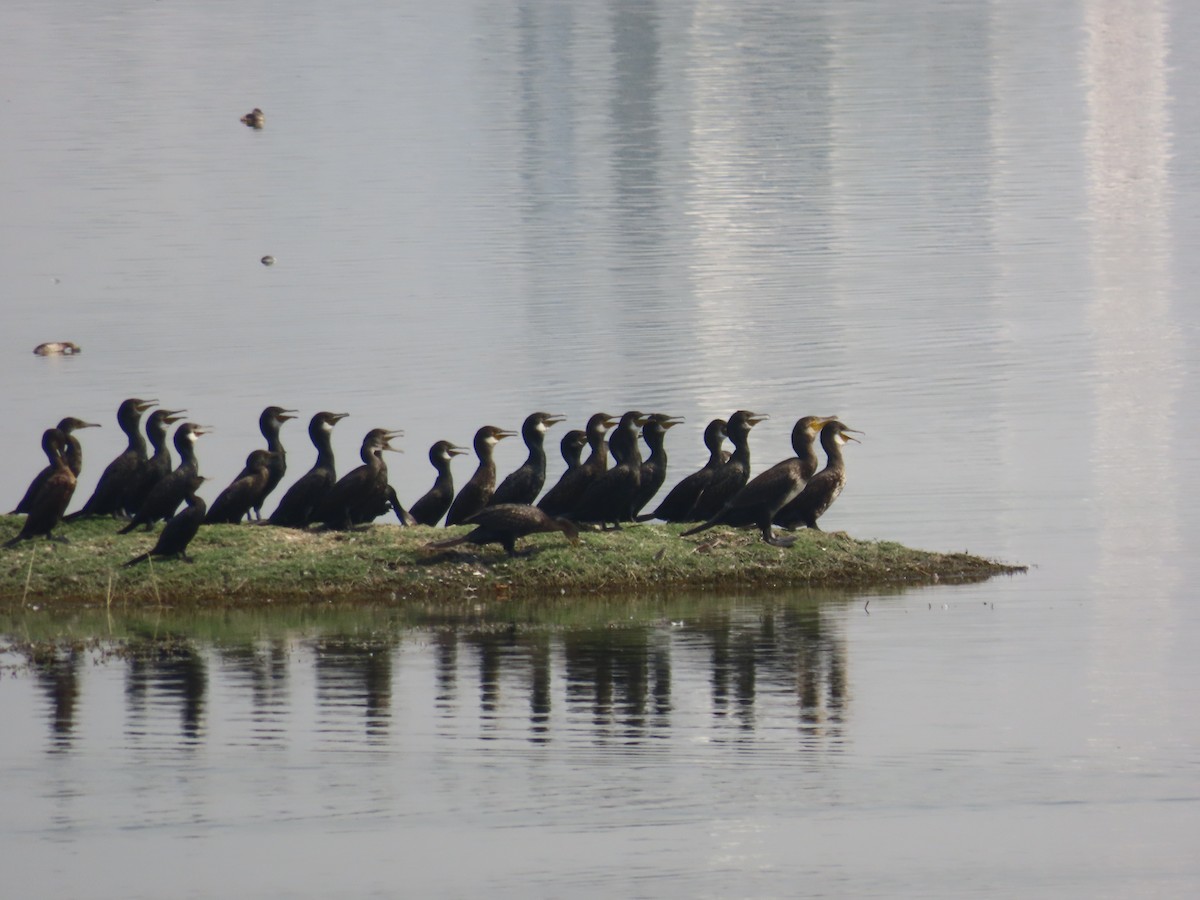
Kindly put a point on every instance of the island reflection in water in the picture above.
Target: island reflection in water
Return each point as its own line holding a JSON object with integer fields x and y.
{"x": 610, "y": 673}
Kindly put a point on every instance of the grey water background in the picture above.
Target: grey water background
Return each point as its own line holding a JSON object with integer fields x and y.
{"x": 965, "y": 227}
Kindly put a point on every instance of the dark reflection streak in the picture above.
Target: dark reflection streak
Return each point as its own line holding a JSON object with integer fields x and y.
{"x": 539, "y": 688}
{"x": 58, "y": 675}
{"x": 446, "y": 650}
{"x": 356, "y": 673}
{"x": 173, "y": 668}
{"x": 265, "y": 668}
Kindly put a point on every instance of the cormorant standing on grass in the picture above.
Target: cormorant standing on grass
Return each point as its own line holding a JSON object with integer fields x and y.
{"x": 236, "y": 500}
{"x": 677, "y": 506}
{"x": 180, "y": 528}
{"x": 524, "y": 484}
{"x": 561, "y": 499}
{"x": 73, "y": 454}
{"x": 362, "y": 494}
{"x": 47, "y": 508}
{"x": 112, "y": 495}
{"x": 159, "y": 465}
{"x": 766, "y": 494}
{"x": 732, "y": 476}
{"x": 269, "y": 422}
{"x": 505, "y": 523}
{"x": 474, "y": 495}
{"x": 433, "y": 505}
{"x": 164, "y": 498}
{"x": 824, "y": 487}
{"x": 654, "y": 467}
{"x": 302, "y": 499}
{"x": 610, "y": 496}
{"x": 572, "y": 446}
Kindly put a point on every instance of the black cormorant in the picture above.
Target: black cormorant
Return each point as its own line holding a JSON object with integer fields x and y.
{"x": 561, "y": 499}
{"x": 505, "y": 523}
{"x": 164, "y": 498}
{"x": 474, "y": 495}
{"x": 654, "y": 466}
{"x": 825, "y": 486}
{"x": 236, "y": 500}
{"x": 73, "y": 455}
{"x": 112, "y": 494}
{"x": 677, "y": 506}
{"x": 433, "y": 505}
{"x": 159, "y": 465}
{"x": 269, "y": 423}
{"x": 180, "y": 528}
{"x": 363, "y": 493}
{"x": 610, "y": 495}
{"x": 524, "y": 484}
{"x": 48, "y": 506}
{"x": 302, "y": 499}
{"x": 767, "y": 493}
{"x": 733, "y": 475}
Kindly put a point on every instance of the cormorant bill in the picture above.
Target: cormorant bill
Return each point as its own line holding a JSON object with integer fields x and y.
{"x": 47, "y": 508}
{"x": 609, "y": 497}
{"x": 111, "y": 496}
{"x": 180, "y": 528}
{"x": 159, "y": 465}
{"x": 164, "y": 498}
{"x": 677, "y": 506}
{"x": 433, "y": 505}
{"x": 474, "y": 495}
{"x": 561, "y": 499}
{"x": 73, "y": 455}
{"x": 824, "y": 487}
{"x": 269, "y": 423}
{"x": 236, "y": 500}
{"x": 654, "y": 467}
{"x": 766, "y": 494}
{"x": 524, "y": 484}
{"x": 731, "y": 477}
{"x": 362, "y": 494}
{"x": 301, "y": 501}
{"x": 504, "y": 524}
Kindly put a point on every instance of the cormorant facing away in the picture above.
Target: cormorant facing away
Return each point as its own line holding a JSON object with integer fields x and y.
{"x": 610, "y": 496}
{"x": 561, "y": 499}
{"x": 572, "y": 446}
{"x": 73, "y": 455}
{"x": 433, "y": 505}
{"x": 524, "y": 484}
{"x": 164, "y": 498}
{"x": 677, "y": 506}
{"x": 654, "y": 467}
{"x": 363, "y": 493}
{"x": 504, "y": 523}
{"x": 112, "y": 495}
{"x": 48, "y": 506}
{"x": 269, "y": 423}
{"x": 474, "y": 495}
{"x": 180, "y": 528}
{"x": 302, "y": 499}
{"x": 159, "y": 465}
{"x": 732, "y": 476}
{"x": 237, "y": 499}
{"x": 766, "y": 494}
{"x": 824, "y": 487}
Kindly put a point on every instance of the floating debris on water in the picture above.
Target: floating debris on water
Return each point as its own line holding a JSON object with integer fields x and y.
{"x": 254, "y": 119}
{"x": 57, "y": 348}
{"x": 268, "y": 260}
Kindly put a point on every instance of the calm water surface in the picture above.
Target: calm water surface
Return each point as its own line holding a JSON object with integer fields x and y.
{"x": 968, "y": 229}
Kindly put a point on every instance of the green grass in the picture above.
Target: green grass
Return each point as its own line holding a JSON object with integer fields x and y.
{"x": 237, "y": 565}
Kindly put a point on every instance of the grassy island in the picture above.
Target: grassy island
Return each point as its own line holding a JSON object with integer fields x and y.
{"x": 246, "y": 565}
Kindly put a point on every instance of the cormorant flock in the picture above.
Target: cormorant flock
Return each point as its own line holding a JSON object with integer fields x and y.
{"x": 142, "y": 489}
